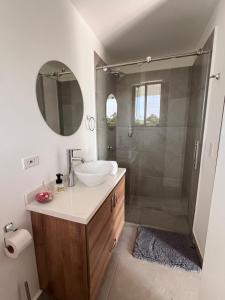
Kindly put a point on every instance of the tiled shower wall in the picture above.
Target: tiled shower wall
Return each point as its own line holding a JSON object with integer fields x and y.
{"x": 154, "y": 156}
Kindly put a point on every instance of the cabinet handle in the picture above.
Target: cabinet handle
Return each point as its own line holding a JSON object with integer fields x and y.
{"x": 112, "y": 202}
{"x": 113, "y": 245}
{"x": 116, "y": 198}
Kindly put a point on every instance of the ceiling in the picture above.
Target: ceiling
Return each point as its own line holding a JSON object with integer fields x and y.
{"x": 133, "y": 29}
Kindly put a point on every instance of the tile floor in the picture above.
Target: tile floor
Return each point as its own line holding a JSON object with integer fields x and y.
{"x": 128, "y": 278}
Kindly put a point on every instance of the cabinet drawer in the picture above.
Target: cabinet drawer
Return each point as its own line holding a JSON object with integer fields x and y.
{"x": 97, "y": 272}
{"x": 97, "y": 224}
{"x": 100, "y": 268}
{"x": 96, "y": 252}
{"x": 118, "y": 197}
{"x": 118, "y": 222}
{"x": 103, "y": 233}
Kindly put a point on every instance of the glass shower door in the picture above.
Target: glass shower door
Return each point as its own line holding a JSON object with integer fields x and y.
{"x": 196, "y": 121}
{"x": 160, "y": 117}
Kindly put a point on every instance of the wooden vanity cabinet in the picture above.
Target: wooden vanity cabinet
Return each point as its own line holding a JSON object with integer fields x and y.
{"x": 72, "y": 258}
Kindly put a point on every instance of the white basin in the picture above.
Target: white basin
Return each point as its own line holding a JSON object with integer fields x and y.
{"x": 93, "y": 173}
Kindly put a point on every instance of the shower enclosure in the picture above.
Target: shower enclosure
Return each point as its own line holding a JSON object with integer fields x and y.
{"x": 150, "y": 119}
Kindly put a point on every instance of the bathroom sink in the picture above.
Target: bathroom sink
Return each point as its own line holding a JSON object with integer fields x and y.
{"x": 93, "y": 173}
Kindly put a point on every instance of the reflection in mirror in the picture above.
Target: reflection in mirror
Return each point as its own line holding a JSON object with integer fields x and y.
{"x": 59, "y": 98}
{"x": 111, "y": 110}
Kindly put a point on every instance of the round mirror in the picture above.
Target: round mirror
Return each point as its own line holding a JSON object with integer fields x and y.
{"x": 59, "y": 98}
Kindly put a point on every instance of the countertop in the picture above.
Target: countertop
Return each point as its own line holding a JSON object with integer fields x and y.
{"x": 78, "y": 203}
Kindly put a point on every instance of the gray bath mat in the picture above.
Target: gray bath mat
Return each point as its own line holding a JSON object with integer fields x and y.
{"x": 167, "y": 248}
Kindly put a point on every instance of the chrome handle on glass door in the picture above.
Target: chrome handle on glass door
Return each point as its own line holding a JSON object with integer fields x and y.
{"x": 196, "y": 154}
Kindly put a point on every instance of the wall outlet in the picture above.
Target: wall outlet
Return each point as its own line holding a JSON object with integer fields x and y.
{"x": 29, "y": 162}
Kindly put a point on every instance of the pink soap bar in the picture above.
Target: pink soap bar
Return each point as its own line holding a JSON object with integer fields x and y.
{"x": 44, "y": 197}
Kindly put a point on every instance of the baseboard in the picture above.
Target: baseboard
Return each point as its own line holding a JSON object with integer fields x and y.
{"x": 197, "y": 248}
{"x": 37, "y": 295}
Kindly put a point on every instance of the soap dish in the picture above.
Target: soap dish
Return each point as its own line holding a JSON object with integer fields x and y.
{"x": 44, "y": 197}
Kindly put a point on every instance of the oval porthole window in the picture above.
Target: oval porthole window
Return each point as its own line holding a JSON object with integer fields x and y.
{"x": 111, "y": 110}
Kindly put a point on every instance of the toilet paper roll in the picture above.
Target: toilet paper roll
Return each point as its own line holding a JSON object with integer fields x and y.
{"x": 16, "y": 242}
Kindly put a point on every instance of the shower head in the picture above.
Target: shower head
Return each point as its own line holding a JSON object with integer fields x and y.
{"x": 118, "y": 74}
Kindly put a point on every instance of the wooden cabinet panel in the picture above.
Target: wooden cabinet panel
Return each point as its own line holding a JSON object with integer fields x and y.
{"x": 60, "y": 247}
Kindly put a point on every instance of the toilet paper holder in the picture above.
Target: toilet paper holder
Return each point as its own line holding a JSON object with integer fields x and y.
{"x": 10, "y": 227}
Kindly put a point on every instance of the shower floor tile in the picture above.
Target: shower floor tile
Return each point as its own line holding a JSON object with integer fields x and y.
{"x": 157, "y": 218}
{"x": 173, "y": 206}
{"x": 132, "y": 214}
{"x": 164, "y": 220}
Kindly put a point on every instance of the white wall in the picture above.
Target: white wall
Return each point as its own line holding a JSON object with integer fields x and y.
{"x": 31, "y": 33}
{"x": 212, "y": 130}
{"x": 212, "y": 285}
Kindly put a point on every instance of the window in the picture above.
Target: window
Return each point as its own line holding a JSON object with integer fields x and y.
{"x": 140, "y": 105}
{"x": 111, "y": 110}
{"x": 147, "y": 104}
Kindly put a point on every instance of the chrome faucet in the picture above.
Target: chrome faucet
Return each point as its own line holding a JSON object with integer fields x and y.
{"x": 70, "y": 158}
